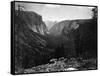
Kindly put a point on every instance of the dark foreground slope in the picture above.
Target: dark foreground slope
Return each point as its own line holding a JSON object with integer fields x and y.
{"x": 30, "y": 40}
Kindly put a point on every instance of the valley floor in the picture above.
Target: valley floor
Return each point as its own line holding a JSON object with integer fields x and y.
{"x": 65, "y": 64}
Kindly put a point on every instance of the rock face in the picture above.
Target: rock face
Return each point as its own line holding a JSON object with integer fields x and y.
{"x": 33, "y": 21}
{"x": 75, "y": 38}
{"x": 30, "y": 40}
{"x": 65, "y": 33}
{"x": 58, "y": 27}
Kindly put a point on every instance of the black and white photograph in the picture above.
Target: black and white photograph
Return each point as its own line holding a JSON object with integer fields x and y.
{"x": 53, "y": 37}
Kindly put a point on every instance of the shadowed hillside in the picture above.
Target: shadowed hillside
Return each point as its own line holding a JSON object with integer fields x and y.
{"x": 30, "y": 40}
{"x": 78, "y": 35}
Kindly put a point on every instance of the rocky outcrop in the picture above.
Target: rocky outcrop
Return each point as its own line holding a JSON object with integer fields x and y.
{"x": 75, "y": 37}
{"x": 64, "y": 38}
{"x": 67, "y": 24}
{"x": 33, "y": 21}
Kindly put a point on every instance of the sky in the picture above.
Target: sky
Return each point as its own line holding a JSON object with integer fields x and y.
{"x": 53, "y": 12}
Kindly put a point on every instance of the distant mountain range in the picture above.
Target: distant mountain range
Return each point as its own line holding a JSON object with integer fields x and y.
{"x": 50, "y": 24}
